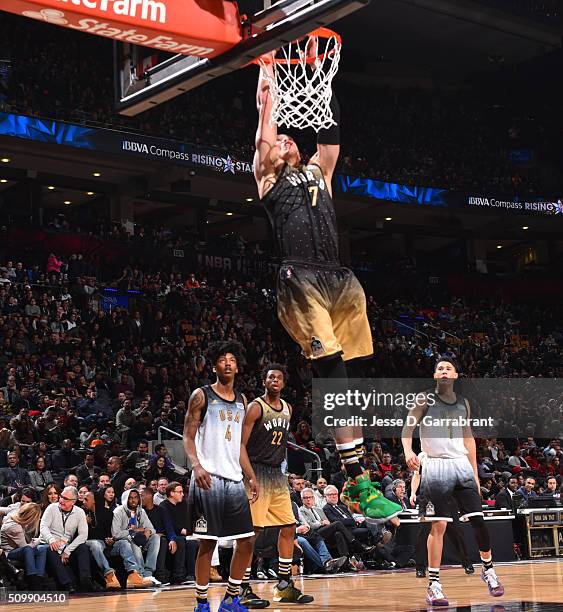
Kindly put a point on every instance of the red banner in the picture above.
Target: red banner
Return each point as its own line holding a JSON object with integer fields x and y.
{"x": 205, "y": 28}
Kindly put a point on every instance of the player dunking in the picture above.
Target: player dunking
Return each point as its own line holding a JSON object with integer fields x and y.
{"x": 320, "y": 303}
{"x": 217, "y": 500}
{"x": 449, "y": 470}
{"x": 265, "y": 434}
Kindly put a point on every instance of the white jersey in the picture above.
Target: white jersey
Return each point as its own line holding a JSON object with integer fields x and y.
{"x": 219, "y": 435}
{"x": 445, "y": 441}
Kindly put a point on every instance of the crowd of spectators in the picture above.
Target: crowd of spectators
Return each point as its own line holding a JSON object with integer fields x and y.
{"x": 443, "y": 139}
{"x": 82, "y": 389}
{"x": 159, "y": 235}
{"x": 85, "y": 385}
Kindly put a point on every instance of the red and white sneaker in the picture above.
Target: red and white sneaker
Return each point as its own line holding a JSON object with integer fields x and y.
{"x": 493, "y": 583}
{"x": 435, "y": 595}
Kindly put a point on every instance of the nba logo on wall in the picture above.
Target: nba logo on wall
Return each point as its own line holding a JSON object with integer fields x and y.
{"x": 201, "y": 525}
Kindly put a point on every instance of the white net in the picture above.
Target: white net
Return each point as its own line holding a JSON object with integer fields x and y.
{"x": 301, "y": 81}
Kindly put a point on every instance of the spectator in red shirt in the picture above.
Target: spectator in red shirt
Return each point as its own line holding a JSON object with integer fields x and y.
{"x": 54, "y": 264}
{"x": 385, "y": 467}
{"x": 532, "y": 460}
{"x": 192, "y": 282}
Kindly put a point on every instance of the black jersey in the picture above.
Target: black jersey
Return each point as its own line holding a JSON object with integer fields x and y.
{"x": 302, "y": 215}
{"x": 269, "y": 435}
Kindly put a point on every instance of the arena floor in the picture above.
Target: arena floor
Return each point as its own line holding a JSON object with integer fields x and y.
{"x": 530, "y": 586}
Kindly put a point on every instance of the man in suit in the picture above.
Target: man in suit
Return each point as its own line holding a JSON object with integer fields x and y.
{"x": 13, "y": 477}
{"x": 397, "y": 494}
{"x": 314, "y": 548}
{"x": 297, "y": 485}
{"x": 337, "y": 511}
{"x": 11, "y": 393}
{"x": 550, "y": 486}
{"x": 335, "y": 533}
{"x": 505, "y": 498}
{"x": 511, "y": 498}
{"x": 118, "y": 476}
{"x": 87, "y": 473}
{"x": 527, "y": 490}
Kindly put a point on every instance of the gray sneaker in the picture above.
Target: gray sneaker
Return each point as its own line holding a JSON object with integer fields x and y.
{"x": 333, "y": 565}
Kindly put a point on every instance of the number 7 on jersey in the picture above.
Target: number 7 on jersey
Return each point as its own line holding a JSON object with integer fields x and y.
{"x": 314, "y": 191}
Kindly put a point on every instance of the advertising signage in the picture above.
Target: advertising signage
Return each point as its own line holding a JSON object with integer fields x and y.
{"x": 121, "y": 143}
{"x": 230, "y": 163}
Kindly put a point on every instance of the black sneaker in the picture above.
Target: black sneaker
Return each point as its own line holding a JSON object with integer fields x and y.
{"x": 250, "y": 600}
{"x": 287, "y": 592}
{"x": 420, "y": 572}
{"x": 468, "y": 567}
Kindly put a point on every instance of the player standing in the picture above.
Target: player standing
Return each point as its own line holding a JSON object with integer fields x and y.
{"x": 217, "y": 499}
{"x": 265, "y": 434}
{"x": 449, "y": 470}
{"x": 320, "y": 303}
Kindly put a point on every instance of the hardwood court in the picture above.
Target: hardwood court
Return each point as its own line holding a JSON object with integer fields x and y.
{"x": 530, "y": 582}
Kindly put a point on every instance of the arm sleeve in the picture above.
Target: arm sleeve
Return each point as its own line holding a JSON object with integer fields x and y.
{"x": 331, "y": 135}
{"x": 16, "y": 534}
{"x": 145, "y": 521}
{"x": 303, "y": 515}
{"x": 118, "y": 530}
{"x": 168, "y": 526}
{"x": 46, "y": 535}
{"x": 82, "y": 534}
{"x": 3, "y": 488}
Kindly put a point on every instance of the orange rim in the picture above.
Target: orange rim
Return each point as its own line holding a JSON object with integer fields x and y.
{"x": 321, "y": 33}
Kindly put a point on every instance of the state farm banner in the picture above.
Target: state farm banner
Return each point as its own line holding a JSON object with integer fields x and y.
{"x": 205, "y": 28}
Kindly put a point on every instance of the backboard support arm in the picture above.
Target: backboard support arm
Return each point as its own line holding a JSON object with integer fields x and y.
{"x": 267, "y": 30}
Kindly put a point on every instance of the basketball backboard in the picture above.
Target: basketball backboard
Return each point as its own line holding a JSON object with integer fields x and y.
{"x": 147, "y": 77}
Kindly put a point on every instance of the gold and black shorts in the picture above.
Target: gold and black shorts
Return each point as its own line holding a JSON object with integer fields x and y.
{"x": 273, "y": 506}
{"x": 324, "y": 310}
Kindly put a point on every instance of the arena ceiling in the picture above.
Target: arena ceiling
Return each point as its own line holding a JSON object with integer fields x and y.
{"x": 438, "y": 39}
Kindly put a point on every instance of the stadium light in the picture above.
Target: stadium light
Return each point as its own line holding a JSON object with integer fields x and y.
{"x": 51, "y": 187}
{"x": 388, "y": 218}
{"x": 250, "y": 199}
{"x": 89, "y": 193}
{"x": 5, "y": 160}
{"x": 499, "y": 246}
{"x": 67, "y": 202}
{"x": 96, "y": 174}
{"x": 525, "y": 227}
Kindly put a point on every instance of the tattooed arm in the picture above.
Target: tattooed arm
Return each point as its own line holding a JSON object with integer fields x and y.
{"x": 191, "y": 424}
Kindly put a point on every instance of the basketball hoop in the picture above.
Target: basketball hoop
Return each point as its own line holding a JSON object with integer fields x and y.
{"x": 301, "y": 80}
